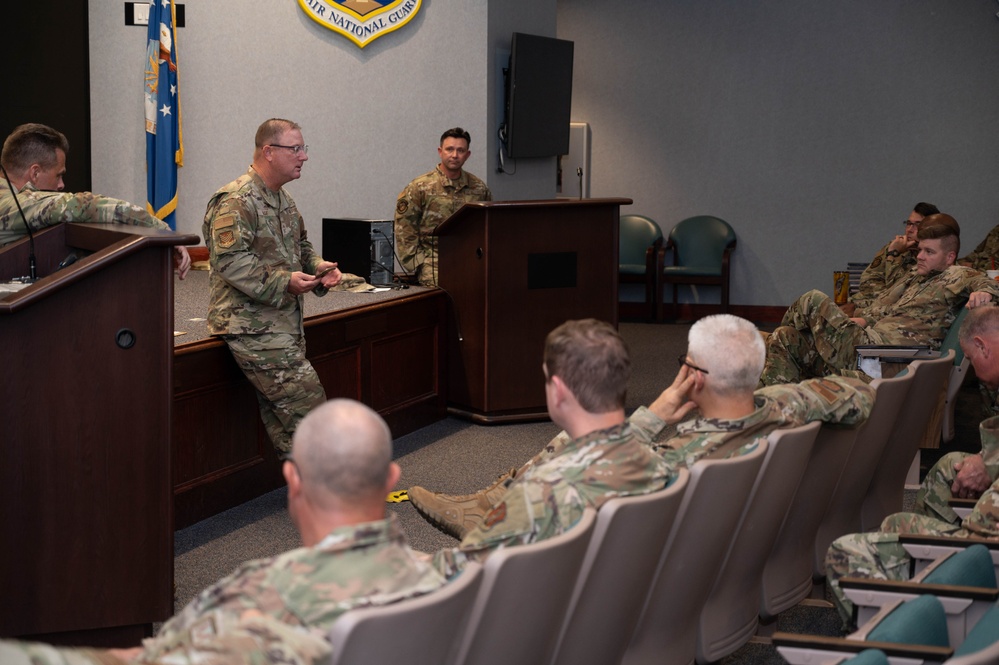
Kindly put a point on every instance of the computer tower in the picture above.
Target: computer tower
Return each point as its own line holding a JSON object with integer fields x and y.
{"x": 364, "y": 247}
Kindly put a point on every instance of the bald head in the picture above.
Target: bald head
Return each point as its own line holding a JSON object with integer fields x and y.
{"x": 343, "y": 451}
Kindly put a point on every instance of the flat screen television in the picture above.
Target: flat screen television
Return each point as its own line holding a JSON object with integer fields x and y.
{"x": 539, "y": 96}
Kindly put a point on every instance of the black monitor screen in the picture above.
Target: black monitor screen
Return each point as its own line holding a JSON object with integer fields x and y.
{"x": 539, "y": 101}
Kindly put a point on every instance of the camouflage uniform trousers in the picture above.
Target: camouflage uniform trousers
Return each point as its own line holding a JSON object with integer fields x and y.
{"x": 286, "y": 383}
{"x": 258, "y": 640}
{"x": 879, "y": 555}
{"x": 935, "y": 492}
{"x": 815, "y": 339}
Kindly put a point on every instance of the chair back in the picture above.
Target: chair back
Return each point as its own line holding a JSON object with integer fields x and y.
{"x": 418, "y": 631}
{"x": 637, "y": 234}
{"x": 957, "y": 374}
{"x": 620, "y": 561}
{"x": 884, "y": 495}
{"x": 918, "y": 621}
{"x": 699, "y": 243}
{"x": 525, "y": 591}
{"x": 843, "y": 514}
{"x": 730, "y": 615}
{"x": 787, "y": 575}
{"x": 981, "y": 646}
{"x": 712, "y": 506}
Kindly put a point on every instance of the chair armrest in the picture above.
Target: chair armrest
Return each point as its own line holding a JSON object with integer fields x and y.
{"x": 918, "y": 588}
{"x": 929, "y": 548}
{"x": 790, "y": 644}
{"x": 946, "y": 541}
{"x": 896, "y": 351}
{"x": 962, "y": 507}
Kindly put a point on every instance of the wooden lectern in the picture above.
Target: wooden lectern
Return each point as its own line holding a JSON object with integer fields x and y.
{"x": 515, "y": 270}
{"x": 85, "y": 487}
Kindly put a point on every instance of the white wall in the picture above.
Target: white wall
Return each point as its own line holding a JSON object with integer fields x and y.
{"x": 812, "y": 127}
{"x": 371, "y": 117}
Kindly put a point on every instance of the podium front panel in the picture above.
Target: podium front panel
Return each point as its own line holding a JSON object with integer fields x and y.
{"x": 515, "y": 272}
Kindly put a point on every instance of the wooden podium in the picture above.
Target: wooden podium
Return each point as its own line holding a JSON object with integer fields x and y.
{"x": 85, "y": 487}
{"x": 515, "y": 270}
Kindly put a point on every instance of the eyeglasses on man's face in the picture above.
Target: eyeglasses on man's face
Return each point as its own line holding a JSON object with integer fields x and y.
{"x": 681, "y": 360}
{"x": 297, "y": 149}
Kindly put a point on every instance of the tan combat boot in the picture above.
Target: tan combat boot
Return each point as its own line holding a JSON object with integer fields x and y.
{"x": 457, "y": 514}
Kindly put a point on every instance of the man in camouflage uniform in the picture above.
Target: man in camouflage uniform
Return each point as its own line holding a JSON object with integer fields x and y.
{"x": 893, "y": 261}
{"x": 34, "y": 159}
{"x": 716, "y": 378}
{"x": 262, "y": 265}
{"x": 429, "y": 200}
{"x": 985, "y": 256}
{"x": 960, "y": 474}
{"x": 879, "y": 555}
{"x": 279, "y": 610}
{"x": 816, "y": 338}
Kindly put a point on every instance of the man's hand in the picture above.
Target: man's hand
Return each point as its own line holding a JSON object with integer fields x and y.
{"x": 181, "y": 260}
{"x": 848, "y": 308}
{"x": 859, "y": 321}
{"x": 972, "y": 478}
{"x": 901, "y": 244}
{"x": 674, "y": 403}
{"x": 329, "y": 274}
{"x": 302, "y": 283}
{"x": 978, "y": 298}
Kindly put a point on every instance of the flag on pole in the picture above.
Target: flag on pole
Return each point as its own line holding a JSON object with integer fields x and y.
{"x": 164, "y": 142}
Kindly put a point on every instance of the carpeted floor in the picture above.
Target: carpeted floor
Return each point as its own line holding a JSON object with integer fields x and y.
{"x": 457, "y": 457}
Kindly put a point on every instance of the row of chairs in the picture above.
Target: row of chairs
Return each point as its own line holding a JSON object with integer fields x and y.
{"x": 701, "y": 249}
{"x": 947, "y": 613}
{"x": 676, "y": 576}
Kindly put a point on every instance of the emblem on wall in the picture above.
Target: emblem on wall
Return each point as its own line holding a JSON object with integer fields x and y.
{"x": 361, "y": 21}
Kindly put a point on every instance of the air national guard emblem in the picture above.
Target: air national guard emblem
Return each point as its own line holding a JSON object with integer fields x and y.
{"x": 361, "y": 21}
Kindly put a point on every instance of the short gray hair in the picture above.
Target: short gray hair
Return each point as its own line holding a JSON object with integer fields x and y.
{"x": 732, "y": 351}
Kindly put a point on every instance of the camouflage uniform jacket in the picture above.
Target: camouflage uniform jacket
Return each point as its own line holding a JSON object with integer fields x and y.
{"x": 984, "y": 256}
{"x": 885, "y": 269}
{"x": 256, "y": 238}
{"x": 421, "y": 207}
{"x": 546, "y": 499}
{"x": 831, "y": 399}
{"x": 43, "y": 209}
{"x": 306, "y": 588}
{"x": 920, "y": 308}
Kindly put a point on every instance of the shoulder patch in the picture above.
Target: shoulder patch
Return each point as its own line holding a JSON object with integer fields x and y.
{"x": 223, "y": 228}
{"x": 401, "y": 206}
{"x": 877, "y": 261}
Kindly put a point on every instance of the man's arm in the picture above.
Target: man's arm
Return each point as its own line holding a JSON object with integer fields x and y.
{"x": 873, "y": 279}
{"x": 49, "y": 208}
{"x": 408, "y": 215}
{"x": 831, "y": 399}
{"x": 983, "y": 256}
{"x": 231, "y": 228}
{"x": 972, "y": 478}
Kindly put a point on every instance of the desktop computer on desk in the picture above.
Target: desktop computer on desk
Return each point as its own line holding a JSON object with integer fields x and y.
{"x": 364, "y": 247}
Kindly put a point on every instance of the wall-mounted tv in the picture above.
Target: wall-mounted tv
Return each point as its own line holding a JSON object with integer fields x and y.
{"x": 539, "y": 96}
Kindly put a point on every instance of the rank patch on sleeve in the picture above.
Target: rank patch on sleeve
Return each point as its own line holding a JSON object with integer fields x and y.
{"x": 225, "y": 232}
